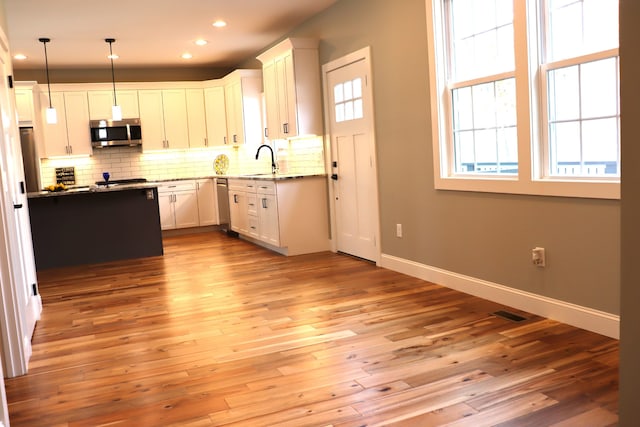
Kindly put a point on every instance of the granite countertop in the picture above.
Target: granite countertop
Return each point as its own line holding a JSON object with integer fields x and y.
{"x": 92, "y": 189}
{"x": 151, "y": 184}
{"x": 272, "y": 177}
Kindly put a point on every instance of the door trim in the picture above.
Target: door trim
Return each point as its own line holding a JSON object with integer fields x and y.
{"x": 363, "y": 54}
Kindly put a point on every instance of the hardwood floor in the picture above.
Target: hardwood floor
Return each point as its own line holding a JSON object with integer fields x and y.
{"x": 219, "y": 332}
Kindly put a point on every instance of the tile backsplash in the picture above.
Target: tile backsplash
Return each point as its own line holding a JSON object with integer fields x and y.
{"x": 303, "y": 156}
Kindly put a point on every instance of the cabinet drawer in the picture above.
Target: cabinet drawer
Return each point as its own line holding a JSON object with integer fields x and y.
{"x": 266, "y": 187}
{"x": 248, "y": 185}
{"x": 173, "y": 186}
{"x": 253, "y": 226}
{"x": 252, "y": 205}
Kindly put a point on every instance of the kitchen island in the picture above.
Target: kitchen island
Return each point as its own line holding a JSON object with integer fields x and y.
{"x": 93, "y": 225}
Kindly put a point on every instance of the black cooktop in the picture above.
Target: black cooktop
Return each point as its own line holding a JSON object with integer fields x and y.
{"x": 123, "y": 181}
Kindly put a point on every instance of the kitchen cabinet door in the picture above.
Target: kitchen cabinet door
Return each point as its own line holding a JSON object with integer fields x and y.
{"x": 196, "y": 120}
{"x": 163, "y": 116}
{"x": 291, "y": 80}
{"x": 268, "y": 224}
{"x": 207, "y": 202}
{"x": 285, "y": 82}
{"x": 24, "y": 105}
{"x": 77, "y": 117}
{"x": 216, "y": 116}
{"x": 243, "y": 100}
{"x": 174, "y": 106}
{"x": 272, "y": 130}
{"x": 238, "y": 211}
{"x": 178, "y": 203}
{"x": 167, "y": 217}
{"x": 233, "y": 104}
{"x": 151, "y": 119}
{"x": 70, "y": 135}
{"x": 56, "y": 142}
{"x": 101, "y": 101}
{"x": 185, "y": 209}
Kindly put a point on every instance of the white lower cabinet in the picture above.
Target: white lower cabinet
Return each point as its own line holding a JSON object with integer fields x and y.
{"x": 178, "y": 203}
{"x": 268, "y": 222}
{"x": 289, "y": 216}
{"x": 207, "y": 202}
{"x": 239, "y": 210}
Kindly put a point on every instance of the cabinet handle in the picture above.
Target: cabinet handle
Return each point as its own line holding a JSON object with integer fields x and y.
{"x": 266, "y": 133}
{"x": 235, "y": 138}
{"x": 235, "y": 198}
{"x": 285, "y": 127}
{"x": 71, "y": 149}
{"x": 206, "y": 143}
{"x": 224, "y": 139}
{"x": 264, "y": 203}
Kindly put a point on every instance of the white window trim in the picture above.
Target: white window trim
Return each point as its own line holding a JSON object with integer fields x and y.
{"x": 529, "y": 179}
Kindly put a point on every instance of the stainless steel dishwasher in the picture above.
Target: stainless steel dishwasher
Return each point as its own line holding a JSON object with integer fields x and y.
{"x": 222, "y": 191}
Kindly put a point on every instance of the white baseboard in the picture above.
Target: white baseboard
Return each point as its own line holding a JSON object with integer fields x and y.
{"x": 571, "y": 314}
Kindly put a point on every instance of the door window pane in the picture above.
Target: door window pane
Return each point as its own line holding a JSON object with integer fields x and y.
{"x": 347, "y": 97}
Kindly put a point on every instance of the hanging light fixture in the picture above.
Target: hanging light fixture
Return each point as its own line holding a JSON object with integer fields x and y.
{"x": 116, "y": 111}
{"x": 51, "y": 115}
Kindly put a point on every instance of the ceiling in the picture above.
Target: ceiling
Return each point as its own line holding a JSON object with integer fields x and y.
{"x": 149, "y": 33}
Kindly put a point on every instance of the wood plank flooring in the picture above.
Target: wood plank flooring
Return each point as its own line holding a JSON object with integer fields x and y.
{"x": 219, "y": 332}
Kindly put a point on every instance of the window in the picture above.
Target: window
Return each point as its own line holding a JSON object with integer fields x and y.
{"x": 525, "y": 96}
{"x": 348, "y": 100}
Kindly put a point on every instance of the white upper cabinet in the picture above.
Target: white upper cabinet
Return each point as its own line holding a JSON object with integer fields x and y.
{"x": 291, "y": 79}
{"x": 242, "y": 92}
{"x": 163, "y": 117}
{"x": 101, "y": 101}
{"x": 196, "y": 118}
{"x": 70, "y": 135}
{"x": 216, "y": 115}
{"x": 24, "y": 105}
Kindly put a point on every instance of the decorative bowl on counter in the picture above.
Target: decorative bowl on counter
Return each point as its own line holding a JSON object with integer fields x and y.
{"x": 221, "y": 164}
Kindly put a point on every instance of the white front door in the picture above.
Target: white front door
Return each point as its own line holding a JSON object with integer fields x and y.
{"x": 353, "y": 162}
{"x": 21, "y": 305}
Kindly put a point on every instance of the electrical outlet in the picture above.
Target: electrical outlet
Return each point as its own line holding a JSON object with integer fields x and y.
{"x": 398, "y": 230}
{"x": 538, "y": 257}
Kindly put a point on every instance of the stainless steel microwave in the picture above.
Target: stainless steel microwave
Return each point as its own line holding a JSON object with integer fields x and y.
{"x": 114, "y": 133}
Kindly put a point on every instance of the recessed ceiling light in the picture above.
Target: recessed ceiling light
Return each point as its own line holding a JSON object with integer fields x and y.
{"x": 20, "y": 57}
{"x": 187, "y": 55}
{"x": 219, "y": 23}
{"x": 201, "y": 42}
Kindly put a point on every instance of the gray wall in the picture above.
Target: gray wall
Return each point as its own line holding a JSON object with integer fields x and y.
{"x": 630, "y": 330}
{"x": 487, "y": 236}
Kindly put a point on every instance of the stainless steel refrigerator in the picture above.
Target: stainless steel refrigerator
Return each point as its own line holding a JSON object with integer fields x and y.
{"x": 30, "y": 159}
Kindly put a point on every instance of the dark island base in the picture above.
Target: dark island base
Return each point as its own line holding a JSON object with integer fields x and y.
{"x": 95, "y": 227}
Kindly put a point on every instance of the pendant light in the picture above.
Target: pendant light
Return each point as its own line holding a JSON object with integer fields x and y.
{"x": 116, "y": 111}
{"x": 51, "y": 115}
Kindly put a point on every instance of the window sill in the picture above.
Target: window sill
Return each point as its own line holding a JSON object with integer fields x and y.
{"x": 544, "y": 187}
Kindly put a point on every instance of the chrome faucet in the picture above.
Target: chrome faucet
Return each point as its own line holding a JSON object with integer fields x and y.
{"x": 274, "y": 168}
